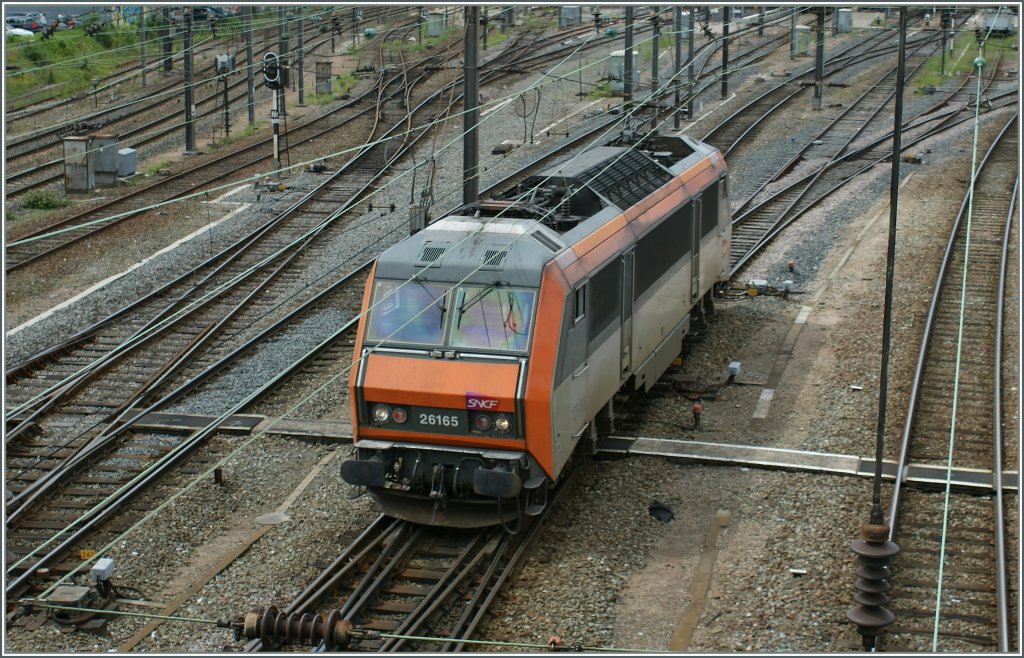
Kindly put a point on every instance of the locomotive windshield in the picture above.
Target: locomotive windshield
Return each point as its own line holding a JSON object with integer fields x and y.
{"x": 492, "y": 317}
{"x": 412, "y": 313}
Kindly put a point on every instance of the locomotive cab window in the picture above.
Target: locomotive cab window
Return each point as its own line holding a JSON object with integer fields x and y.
{"x": 407, "y": 312}
{"x": 493, "y": 317}
{"x": 580, "y": 303}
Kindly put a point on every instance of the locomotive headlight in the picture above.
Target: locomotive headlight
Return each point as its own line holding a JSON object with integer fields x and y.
{"x": 399, "y": 415}
{"x": 482, "y": 422}
{"x": 382, "y": 413}
{"x": 503, "y": 424}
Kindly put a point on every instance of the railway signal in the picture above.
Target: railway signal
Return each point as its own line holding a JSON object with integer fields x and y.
{"x": 224, "y": 64}
{"x": 274, "y": 79}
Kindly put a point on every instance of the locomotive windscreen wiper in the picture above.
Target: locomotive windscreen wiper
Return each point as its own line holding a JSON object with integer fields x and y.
{"x": 437, "y": 300}
{"x": 468, "y": 303}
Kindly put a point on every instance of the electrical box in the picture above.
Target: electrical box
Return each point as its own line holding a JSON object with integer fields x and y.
{"x": 127, "y": 162}
{"x": 77, "y": 175}
{"x": 102, "y": 569}
{"x": 103, "y": 159}
{"x": 417, "y": 218}
{"x": 803, "y": 40}
{"x": 437, "y": 23}
{"x": 323, "y": 77}
{"x": 844, "y": 21}
{"x": 224, "y": 64}
{"x": 569, "y": 16}
{"x": 616, "y": 66}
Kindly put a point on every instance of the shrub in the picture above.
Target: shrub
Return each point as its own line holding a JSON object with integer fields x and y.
{"x": 44, "y": 201}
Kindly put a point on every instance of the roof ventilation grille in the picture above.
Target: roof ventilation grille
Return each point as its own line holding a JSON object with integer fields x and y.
{"x": 432, "y": 252}
{"x": 494, "y": 259}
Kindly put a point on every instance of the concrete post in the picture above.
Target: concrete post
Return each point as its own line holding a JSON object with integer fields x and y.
{"x": 689, "y": 71}
{"x": 627, "y": 60}
{"x": 300, "y": 46}
{"x": 656, "y": 35}
{"x": 725, "y": 59}
{"x": 471, "y": 116}
{"x": 819, "y": 59}
{"x": 142, "y": 42}
{"x": 677, "y": 17}
{"x": 249, "y": 64}
{"x": 792, "y": 33}
{"x": 190, "y": 129}
{"x": 165, "y": 34}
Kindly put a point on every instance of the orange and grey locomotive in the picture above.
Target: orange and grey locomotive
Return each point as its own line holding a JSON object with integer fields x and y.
{"x": 494, "y": 339}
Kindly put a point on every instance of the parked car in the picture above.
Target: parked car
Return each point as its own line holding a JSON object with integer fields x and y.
{"x": 11, "y": 31}
{"x": 65, "y": 22}
{"x": 33, "y": 20}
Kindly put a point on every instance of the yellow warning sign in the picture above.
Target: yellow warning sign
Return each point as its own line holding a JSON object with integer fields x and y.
{"x": 86, "y": 553}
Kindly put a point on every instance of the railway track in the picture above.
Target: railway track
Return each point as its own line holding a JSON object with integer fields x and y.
{"x": 354, "y": 117}
{"x": 47, "y": 143}
{"x": 27, "y": 141}
{"x": 49, "y": 461}
{"x": 950, "y": 590}
{"x": 372, "y": 638}
{"x": 87, "y": 410}
{"x": 402, "y": 587}
{"x": 106, "y": 488}
{"x": 761, "y": 217}
{"x": 23, "y": 250}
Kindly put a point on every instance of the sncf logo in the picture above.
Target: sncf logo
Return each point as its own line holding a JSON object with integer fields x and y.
{"x": 478, "y": 402}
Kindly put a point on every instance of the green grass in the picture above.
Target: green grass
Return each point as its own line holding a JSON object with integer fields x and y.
{"x": 235, "y": 136}
{"x": 496, "y": 37}
{"x": 319, "y": 99}
{"x": 149, "y": 170}
{"x": 540, "y": 21}
{"x": 930, "y": 74}
{"x": 603, "y": 90}
{"x": 432, "y": 42}
{"x": 65, "y": 64}
{"x": 342, "y": 83}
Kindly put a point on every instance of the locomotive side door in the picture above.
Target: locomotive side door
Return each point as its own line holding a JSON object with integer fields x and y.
{"x": 698, "y": 213}
{"x": 627, "y": 314}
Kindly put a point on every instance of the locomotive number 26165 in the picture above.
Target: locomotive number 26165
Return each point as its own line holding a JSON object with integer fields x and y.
{"x": 443, "y": 420}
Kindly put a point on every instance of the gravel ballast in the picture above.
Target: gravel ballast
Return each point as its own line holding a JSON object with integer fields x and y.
{"x": 605, "y": 574}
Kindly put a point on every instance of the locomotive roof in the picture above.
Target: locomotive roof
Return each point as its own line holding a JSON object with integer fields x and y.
{"x": 510, "y": 238}
{"x": 510, "y": 249}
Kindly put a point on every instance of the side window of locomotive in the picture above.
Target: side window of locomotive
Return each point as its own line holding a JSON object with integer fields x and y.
{"x": 493, "y": 318}
{"x": 684, "y": 218}
{"x": 407, "y": 312}
{"x": 606, "y": 303}
{"x": 709, "y": 210}
{"x": 579, "y": 303}
{"x": 659, "y": 249}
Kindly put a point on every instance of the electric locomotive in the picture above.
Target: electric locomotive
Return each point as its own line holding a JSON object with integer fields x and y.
{"x": 493, "y": 340}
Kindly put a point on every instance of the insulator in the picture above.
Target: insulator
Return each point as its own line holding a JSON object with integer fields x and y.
{"x": 275, "y": 628}
{"x": 874, "y": 557}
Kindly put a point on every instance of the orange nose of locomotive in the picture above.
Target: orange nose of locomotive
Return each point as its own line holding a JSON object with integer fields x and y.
{"x": 472, "y": 403}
